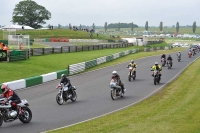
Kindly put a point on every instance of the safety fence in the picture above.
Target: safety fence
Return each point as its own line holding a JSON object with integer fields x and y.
{"x": 79, "y": 67}
{"x": 68, "y": 49}
{"x": 157, "y": 48}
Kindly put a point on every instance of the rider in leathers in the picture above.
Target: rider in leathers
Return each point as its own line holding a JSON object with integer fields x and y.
{"x": 134, "y": 65}
{"x": 66, "y": 81}
{"x": 9, "y": 94}
{"x": 158, "y": 68}
{"x": 169, "y": 58}
{"x": 163, "y": 56}
{"x": 116, "y": 78}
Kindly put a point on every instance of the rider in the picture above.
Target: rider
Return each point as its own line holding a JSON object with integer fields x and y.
{"x": 163, "y": 56}
{"x": 156, "y": 67}
{"x": 66, "y": 81}
{"x": 116, "y": 77}
{"x": 169, "y": 58}
{"x": 9, "y": 94}
{"x": 134, "y": 65}
{"x": 179, "y": 54}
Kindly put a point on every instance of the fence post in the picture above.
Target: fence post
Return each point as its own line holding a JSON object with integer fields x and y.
{"x": 93, "y": 47}
{"x": 32, "y": 51}
{"x": 69, "y": 49}
{"x": 98, "y": 47}
{"x": 88, "y": 47}
{"x": 52, "y": 50}
{"x": 76, "y": 48}
{"x": 43, "y": 51}
{"x": 61, "y": 50}
{"x": 82, "y": 48}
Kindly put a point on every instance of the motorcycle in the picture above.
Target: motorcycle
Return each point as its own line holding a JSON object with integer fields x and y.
{"x": 178, "y": 58}
{"x": 22, "y": 112}
{"x": 156, "y": 77}
{"x": 163, "y": 61}
{"x": 65, "y": 94}
{"x": 169, "y": 64}
{"x": 189, "y": 54}
{"x": 116, "y": 90}
{"x": 130, "y": 74}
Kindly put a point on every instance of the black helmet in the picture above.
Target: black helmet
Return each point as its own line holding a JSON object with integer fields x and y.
{"x": 132, "y": 61}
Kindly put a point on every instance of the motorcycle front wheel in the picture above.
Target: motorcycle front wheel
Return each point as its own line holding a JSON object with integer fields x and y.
{"x": 74, "y": 96}
{"x": 26, "y": 115}
{"x": 113, "y": 94}
{"x": 59, "y": 100}
{"x": 154, "y": 80}
{"x": 1, "y": 119}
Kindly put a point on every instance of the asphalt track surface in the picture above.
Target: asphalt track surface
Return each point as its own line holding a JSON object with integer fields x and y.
{"x": 93, "y": 95}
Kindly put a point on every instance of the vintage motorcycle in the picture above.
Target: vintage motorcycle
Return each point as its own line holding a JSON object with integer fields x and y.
{"x": 116, "y": 90}
{"x": 163, "y": 61}
{"x": 156, "y": 78}
{"x": 178, "y": 58}
{"x": 22, "y": 112}
{"x": 130, "y": 74}
{"x": 169, "y": 64}
{"x": 65, "y": 94}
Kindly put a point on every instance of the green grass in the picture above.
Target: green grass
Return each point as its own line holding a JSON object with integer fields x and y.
{"x": 38, "y": 65}
{"x": 175, "y": 109}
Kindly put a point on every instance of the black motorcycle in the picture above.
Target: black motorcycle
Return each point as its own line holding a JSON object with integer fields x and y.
{"x": 156, "y": 77}
{"x": 65, "y": 94}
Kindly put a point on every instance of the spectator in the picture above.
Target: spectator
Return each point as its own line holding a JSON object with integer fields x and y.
{"x": 1, "y": 45}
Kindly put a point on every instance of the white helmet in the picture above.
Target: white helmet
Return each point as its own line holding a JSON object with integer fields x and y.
{"x": 114, "y": 73}
{"x": 156, "y": 63}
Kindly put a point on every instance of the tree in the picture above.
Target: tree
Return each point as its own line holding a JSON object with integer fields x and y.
{"x": 118, "y": 26}
{"x": 146, "y": 26}
{"x": 161, "y": 26}
{"x": 194, "y": 26}
{"x": 28, "y": 12}
{"x": 93, "y": 26}
{"x": 105, "y": 26}
{"x": 177, "y": 27}
{"x": 132, "y": 27}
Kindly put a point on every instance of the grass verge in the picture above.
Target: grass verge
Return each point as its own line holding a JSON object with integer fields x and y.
{"x": 175, "y": 109}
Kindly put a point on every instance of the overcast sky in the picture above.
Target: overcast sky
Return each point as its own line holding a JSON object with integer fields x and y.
{"x": 87, "y": 12}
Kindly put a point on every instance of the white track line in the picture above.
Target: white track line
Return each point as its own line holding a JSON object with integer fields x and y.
{"x": 129, "y": 104}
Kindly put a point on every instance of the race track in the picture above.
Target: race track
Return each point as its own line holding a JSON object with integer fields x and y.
{"x": 93, "y": 95}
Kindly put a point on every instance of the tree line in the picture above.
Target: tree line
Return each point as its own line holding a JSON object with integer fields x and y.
{"x": 28, "y": 12}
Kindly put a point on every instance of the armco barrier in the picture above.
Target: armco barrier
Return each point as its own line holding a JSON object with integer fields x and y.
{"x": 59, "y": 73}
{"x": 101, "y": 60}
{"x": 49, "y": 76}
{"x": 17, "y": 84}
{"x": 33, "y": 81}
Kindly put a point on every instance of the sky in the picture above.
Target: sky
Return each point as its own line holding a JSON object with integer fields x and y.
{"x": 87, "y": 12}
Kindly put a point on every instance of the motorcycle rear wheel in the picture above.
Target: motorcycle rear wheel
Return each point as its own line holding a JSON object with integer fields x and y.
{"x": 74, "y": 96}
{"x": 1, "y": 119}
{"x": 113, "y": 94}
{"x": 58, "y": 100}
{"x": 26, "y": 115}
